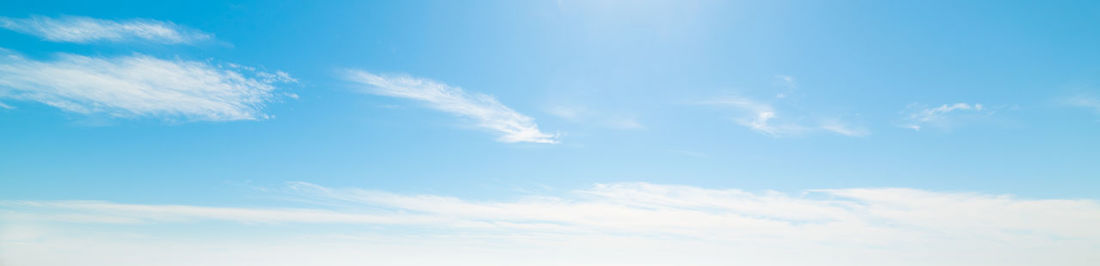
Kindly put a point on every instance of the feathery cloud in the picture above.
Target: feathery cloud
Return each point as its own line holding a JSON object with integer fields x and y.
{"x": 943, "y": 116}
{"x": 1083, "y": 101}
{"x": 757, "y": 116}
{"x": 483, "y": 109}
{"x": 876, "y": 226}
{"x": 785, "y": 84}
{"x": 88, "y": 30}
{"x": 764, "y": 118}
{"x": 767, "y": 116}
{"x": 140, "y": 86}
{"x": 581, "y": 114}
{"x": 843, "y": 128}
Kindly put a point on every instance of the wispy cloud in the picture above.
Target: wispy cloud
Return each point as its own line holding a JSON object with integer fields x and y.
{"x": 1083, "y": 101}
{"x": 944, "y": 116}
{"x": 769, "y": 117}
{"x": 483, "y": 109}
{"x": 840, "y": 127}
{"x": 88, "y": 30}
{"x": 622, "y": 222}
{"x": 786, "y": 85}
{"x": 764, "y": 118}
{"x": 140, "y": 86}
{"x": 581, "y": 114}
{"x": 757, "y": 116}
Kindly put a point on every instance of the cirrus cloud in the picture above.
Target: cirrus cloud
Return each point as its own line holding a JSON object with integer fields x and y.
{"x": 944, "y": 116}
{"x": 764, "y": 118}
{"x": 482, "y": 109}
{"x": 88, "y": 30}
{"x": 140, "y": 86}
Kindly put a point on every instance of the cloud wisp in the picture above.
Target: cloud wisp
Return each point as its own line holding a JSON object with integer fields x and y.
{"x": 1083, "y": 101}
{"x": 484, "y": 110}
{"x": 90, "y": 30}
{"x": 584, "y": 115}
{"x": 138, "y": 86}
{"x": 944, "y": 116}
{"x": 764, "y": 118}
{"x": 621, "y": 224}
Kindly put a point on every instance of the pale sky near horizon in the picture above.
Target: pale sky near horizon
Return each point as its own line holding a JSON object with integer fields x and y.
{"x": 549, "y": 133}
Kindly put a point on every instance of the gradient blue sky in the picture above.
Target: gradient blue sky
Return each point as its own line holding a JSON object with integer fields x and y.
{"x": 985, "y": 97}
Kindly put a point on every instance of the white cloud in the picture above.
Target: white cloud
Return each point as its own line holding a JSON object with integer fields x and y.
{"x": 483, "y": 109}
{"x": 943, "y": 116}
{"x": 786, "y": 85}
{"x": 608, "y": 224}
{"x": 88, "y": 30}
{"x": 139, "y": 86}
{"x": 571, "y": 113}
{"x": 690, "y": 153}
{"x": 1084, "y": 101}
{"x": 580, "y": 114}
{"x": 623, "y": 123}
{"x": 769, "y": 118}
{"x": 764, "y": 118}
{"x": 757, "y": 116}
{"x": 840, "y": 127}
{"x": 786, "y": 81}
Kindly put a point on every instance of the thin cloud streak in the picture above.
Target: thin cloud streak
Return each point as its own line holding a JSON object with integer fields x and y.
{"x": 943, "y": 116}
{"x": 140, "y": 86}
{"x": 839, "y": 127}
{"x": 764, "y": 118}
{"x": 485, "y": 111}
{"x": 757, "y": 116}
{"x": 584, "y": 115}
{"x": 88, "y": 30}
{"x": 1084, "y": 101}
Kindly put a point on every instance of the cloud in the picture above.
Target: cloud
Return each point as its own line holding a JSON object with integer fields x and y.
{"x": 89, "y": 30}
{"x": 944, "y": 116}
{"x": 774, "y": 117}
{"x": 571, "y": 113}
{"x": 840, "y": 127}
{"x": 1083, "y": 101}
{"x": 483, "y": 109}
{"x": 764, "y": 118}
{"x": 757, "y": 116}
{"x": 785, "y": 84}
{"x": 623, "y": 123}
{"x": 140, "y": 86}
{"x": 620, "y": 224}
{"x": 580, "y": 114}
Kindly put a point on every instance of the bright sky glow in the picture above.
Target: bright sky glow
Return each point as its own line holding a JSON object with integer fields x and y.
{"x": 549, "y": 133}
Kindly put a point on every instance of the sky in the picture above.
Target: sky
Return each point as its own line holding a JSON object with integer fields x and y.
{"x": 549, "y": 132}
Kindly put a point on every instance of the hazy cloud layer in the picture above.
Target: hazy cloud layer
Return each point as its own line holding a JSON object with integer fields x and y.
{"x": 483, "y": 110}
{"x": 140, "y": 86}
{"x": 88, "y": 30}
{"x": 608, "y": 224}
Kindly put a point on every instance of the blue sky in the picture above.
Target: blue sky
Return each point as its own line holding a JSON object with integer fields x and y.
{"x": 206, "y": 104}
